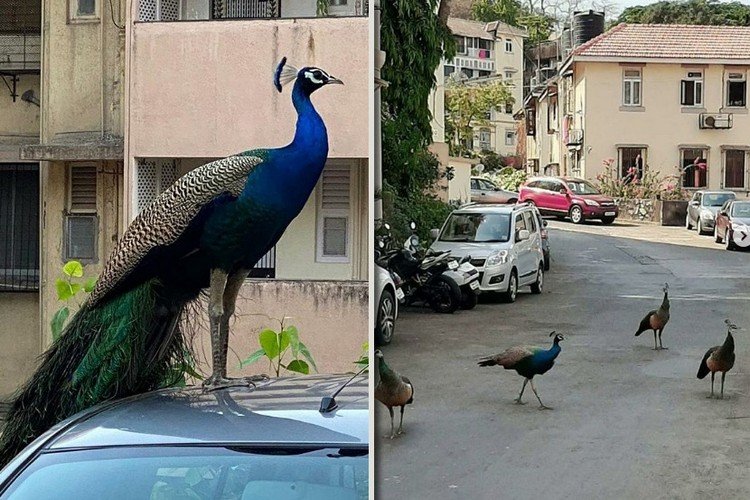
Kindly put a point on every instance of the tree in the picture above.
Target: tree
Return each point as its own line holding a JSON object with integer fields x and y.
{"x": 487, "y": 11}
{"x": 467, "y": 105}
{"x": 707, "y": 12}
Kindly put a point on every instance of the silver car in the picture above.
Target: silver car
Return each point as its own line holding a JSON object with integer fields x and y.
{"x": 703, "y": 207}
{"x": 267, "y": 442}
{"x": 485, "y": 191}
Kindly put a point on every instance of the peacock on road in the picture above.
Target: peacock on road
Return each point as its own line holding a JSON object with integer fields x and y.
{"x": 528, "y": 361}
{"x": 393, "y": 390}
{"x": 207, "y": 230}
{"x": 657, "y": 319}
{"x": 719, "y": 358}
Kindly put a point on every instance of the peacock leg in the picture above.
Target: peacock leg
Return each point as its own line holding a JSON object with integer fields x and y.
{"x": 401, "y": 423}
{"x": 518, "y": 400}
{"x": 541, "y": 405}
{"x": 218, "y": 284}
{"x": 723, "y": 374}
{"x": 712, "y": 386}
{"x": 390, "y": 410}
{"x": 655, "y": 347}
{"x": 661, "y": 346}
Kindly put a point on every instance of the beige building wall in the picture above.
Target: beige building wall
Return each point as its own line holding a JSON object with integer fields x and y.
{"x": 459, "y": 188}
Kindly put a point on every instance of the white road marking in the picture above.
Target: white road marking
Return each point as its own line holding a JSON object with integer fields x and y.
{"x": 689, "y": 297}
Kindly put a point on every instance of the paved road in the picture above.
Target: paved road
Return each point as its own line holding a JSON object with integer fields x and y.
{"x": 628, "y": 422}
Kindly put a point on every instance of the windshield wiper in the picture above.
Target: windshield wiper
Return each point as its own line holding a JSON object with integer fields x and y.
{"x": 490, "y": 241}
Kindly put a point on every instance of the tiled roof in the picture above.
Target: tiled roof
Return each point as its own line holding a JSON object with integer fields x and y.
{"x": 672, "y": 41}
{"x": 478, "y": 29}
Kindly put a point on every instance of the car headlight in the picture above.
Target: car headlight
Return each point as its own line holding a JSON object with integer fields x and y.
{"x": 497, "y": 257}
{"x": 706, "y": 214}
{"x": 591, "y": 203}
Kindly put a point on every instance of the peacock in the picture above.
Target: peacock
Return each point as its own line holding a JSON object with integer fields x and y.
{"x": 719, "y": 358}
{"x": 392, "y": 390}
{"x": 206, "y": 231}
{"x": 528, "y": 361}
{"x": 656, "y": 320}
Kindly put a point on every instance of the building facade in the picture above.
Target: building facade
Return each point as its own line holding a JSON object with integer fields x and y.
{"x": 666, "y": 98}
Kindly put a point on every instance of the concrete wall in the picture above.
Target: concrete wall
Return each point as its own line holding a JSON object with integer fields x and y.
{"x": 663, "y": 124}
{"x": 19, "y": 338}
{"x": 332, "y": 319}
{"x": 459, "y": 188}
{"x": 20, "y": 119}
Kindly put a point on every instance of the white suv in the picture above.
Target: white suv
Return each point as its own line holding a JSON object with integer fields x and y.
{"x": 504, "y": 242}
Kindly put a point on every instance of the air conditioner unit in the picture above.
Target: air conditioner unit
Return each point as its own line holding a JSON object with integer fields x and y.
{"x": 715, "y": 120}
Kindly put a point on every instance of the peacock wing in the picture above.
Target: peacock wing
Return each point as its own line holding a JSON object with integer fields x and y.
{"x": 703, "y": 368}
{"x": 510, "y": 357}
{"x": 645, "y": 323}
{"x": 165, "y": 218}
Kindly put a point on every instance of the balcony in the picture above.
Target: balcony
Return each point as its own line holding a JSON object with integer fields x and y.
{"x": 20, "y": 53}
{"x": 473, "y": 63}
{"x": 575, "y": 137}
{"x": 205, "y": 10}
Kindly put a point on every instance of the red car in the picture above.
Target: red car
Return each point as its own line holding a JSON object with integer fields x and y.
{"x": 569, "y": 197}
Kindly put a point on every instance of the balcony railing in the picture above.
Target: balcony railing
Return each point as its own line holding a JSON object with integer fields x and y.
{"x": 479, "y": 53}
{"x": 470, "y": 62}
{"x": 20, "y": 52}
{"x": 180, "y": 10}
{"x": 575, "y": 137}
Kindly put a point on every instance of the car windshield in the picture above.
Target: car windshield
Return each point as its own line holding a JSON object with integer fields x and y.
{"x": 582, "y": 187}
{"x": 167, "y": 473}
{"x": 741, "y": 209}
{"x": 716, "y": 199}
{"x": 477, "y": 228}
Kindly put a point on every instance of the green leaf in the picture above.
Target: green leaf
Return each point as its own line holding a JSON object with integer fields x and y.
{"x": 253, "y": 358}
{"x": 75, "y": 288}
{"x": 292, "y": 334}
{"x": 74, "y": 269}
{"x": 89, "y": 285}
{"x": 58, "y": 322}
{"x": 64, "y": 290}
{"x": 283, "y": 341}
{"x": 269, "y": 341}
{"x": 308, "y": 356}
{"x": 298, "y": 366}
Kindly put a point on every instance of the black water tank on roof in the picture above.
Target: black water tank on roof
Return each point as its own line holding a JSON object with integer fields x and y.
{"x": 587, "y": 25}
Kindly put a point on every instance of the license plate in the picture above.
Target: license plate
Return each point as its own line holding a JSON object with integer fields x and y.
{"x": 452, "y": 265}
{"x": 474, "y": 285}
{"x": 609, "y": 214}
{"x": 399, "y": 294}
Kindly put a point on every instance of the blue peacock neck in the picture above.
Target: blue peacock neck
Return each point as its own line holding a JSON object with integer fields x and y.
{"x": 310, "y": 135}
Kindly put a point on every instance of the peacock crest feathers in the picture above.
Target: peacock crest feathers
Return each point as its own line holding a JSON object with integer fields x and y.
{"x": 284, "y": 74}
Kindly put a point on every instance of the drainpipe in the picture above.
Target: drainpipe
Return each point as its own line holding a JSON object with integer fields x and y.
{"x": 378, "y": 154}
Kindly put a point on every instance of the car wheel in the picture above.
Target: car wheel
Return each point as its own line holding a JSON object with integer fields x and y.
{"x": 688, "y": 225}
{"x": 446, "y": 296}
{"x": 717, "y": 238}
{"x": 512, "y": 201}
{"x": 728, "y": 241}
{"x": 512, "y": 292}
{"x": 538, "y": 286}
{"x": 469, "y": 299}
{"x": 386, "y": 322}
{"x": 608, "y": 220}
{"x": 700, "y": 228}
{"x": 576, "y": 214}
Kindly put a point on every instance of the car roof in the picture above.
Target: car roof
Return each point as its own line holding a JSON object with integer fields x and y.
{"x": 492, "y": 208}
{"x": 279, "y": 411}
{"x": 556, "y": 178}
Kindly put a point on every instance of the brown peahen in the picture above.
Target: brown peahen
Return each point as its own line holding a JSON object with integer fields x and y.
{"x": 393, "y": 390}
{"x": 656, "y": 320}
{"x": 528, "y": 361}
{"x": 719, "y": 358}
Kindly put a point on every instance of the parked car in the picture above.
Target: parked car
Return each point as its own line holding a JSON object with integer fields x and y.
{"x": 703, "y": 207}
{"x": 545, "y": 238}
{"x": 266, "y": 442}
{"x": 485, "y": 191}
{"x": 732, "y": 225}
{"x": 387, "y": 296}
{"x": 569, "y": 197}
{"x": 505, "y": 244}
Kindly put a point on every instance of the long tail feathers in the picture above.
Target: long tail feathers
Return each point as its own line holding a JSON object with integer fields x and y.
{"x": 487, "y": 362}
{"x": 703, "y": 369}
{"x": 127, "y": 345}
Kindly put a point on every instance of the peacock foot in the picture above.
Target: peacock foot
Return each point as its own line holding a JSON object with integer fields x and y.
{"x": 518, "y": 401}
{"x": 215, "y": 382}
{"x": 710, "y": 396}
{"x": 400, "y": 432}
{"x": 544, "y": 407}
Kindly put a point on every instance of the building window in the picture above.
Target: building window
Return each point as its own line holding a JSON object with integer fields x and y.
{"x": 448, "y": 70}
{"x": 508, "y": 45}
{"x": 694, "y": 167}
{"x": 509, "y": 108}
{"x": 482, "y": 73}
{"x": 552, "y": 115}
{"x": 484, "y": 140}
{"x": 468, "y": 72}
{"x": 734, "y": 168}
{"x": 630, "y": 162}
{"x": 19, "y": 227}
{"x": 736, "y": 90}
{"x": 510, "y": 137}
{"x": 81, "y": 221}
{"x": 460, "y": 45}
{"x": 508, "y": 75}
{"x": 631, "y": 87}
{"x": 334, "y": 213}
{"x": 82, "y": 9}
{"x": 692, "y": 89}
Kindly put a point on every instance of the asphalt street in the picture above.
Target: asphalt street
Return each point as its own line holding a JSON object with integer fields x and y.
{"x": 628, "y": 422}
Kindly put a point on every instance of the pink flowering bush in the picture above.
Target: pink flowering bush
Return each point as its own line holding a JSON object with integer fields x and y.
{"x": 651, "y": 186}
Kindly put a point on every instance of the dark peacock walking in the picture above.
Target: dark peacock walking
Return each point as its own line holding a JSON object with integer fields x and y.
{"x": 657, "y": 319}
{"x": 719, "y": 358}
{"x": 207, "y": 230}
{"x": 392, "y": 390}
{"x": 528, "y": 361}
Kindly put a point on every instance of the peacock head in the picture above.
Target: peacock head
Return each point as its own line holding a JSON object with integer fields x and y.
{"x": 558, "y": 336}
{"x": 666, "y": 287}
{"x": 309, "y": 78}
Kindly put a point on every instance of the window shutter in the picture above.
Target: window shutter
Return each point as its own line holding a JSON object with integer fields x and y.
{"x": 83, "y": 189}
{"x": 333, "y": 216}
{"x": 336, "y": 181}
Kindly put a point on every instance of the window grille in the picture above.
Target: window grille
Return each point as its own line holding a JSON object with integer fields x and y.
{"x": 19, "y": 227}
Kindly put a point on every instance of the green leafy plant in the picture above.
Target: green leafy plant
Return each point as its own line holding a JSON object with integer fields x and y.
{"x": 276, "y": 345}
{"x": 322, "y": 7}
{"x": 508, "y": 178}
{"x": 68, "y": 287}
{"x": 364, "y": 357}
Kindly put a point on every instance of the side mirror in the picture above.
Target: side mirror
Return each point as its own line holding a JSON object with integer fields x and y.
{"x": 434, "y": 233}
{"x": 694, "y": 203}
{"x": 523, "y": 235}
{"x": 545, "y": 223}
{"x": 563, "y": 191}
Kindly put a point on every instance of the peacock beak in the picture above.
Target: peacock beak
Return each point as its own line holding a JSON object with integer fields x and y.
{"x": 333, "y": 80}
